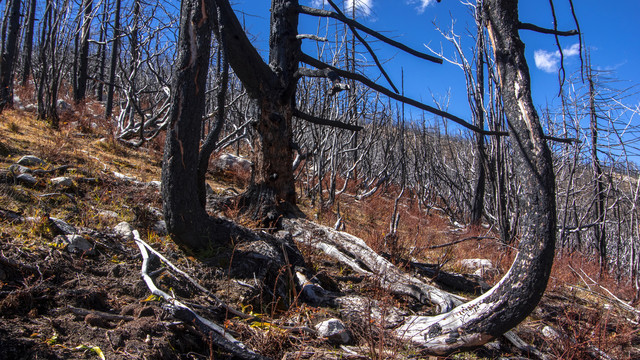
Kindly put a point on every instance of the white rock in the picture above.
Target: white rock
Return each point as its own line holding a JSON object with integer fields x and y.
{"x": 475, "y": 264}
{"x": 62, "y": 181}
{"x": 231, "y": 162}
{"x": 30, "y": 160}
{"x": 334, "y": 330}
{"x": 125, "y": 230}
{"x": 19, "y": 169}
{"x": 550, "y": 333}
{"x": 76, "y": 244}
{"x": 155, "y": 183}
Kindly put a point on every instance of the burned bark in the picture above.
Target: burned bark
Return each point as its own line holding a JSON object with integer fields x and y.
{"x": 9, "y": 54}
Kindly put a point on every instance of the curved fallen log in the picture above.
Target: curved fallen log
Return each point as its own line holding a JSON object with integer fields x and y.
{"x": 354, "y": 252}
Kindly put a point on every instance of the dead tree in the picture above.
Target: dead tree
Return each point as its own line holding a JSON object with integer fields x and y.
{"x": 516, "y": 295}
{"x": 82, "y": 50}
{"x": 9, "y": 54}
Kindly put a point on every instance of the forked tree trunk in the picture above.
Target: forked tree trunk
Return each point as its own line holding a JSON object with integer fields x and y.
{"x": 516, "y": 295}
{"x": 186, "y": 218}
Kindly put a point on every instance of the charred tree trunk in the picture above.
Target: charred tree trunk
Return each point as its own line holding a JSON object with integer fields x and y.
{"x": 28, "y": 43}
{"x": 274, "y": 87}
{"x": 102, "y": 51}
{"x": 9, "y": 54}
{"x": 598, "y": 183}
{"x": 517, "y": 294}
{"x": 83, "y": 52}
{"x": 477, "y": 203}
{"x": 115, "y": 49}
{"x": 186, "y": 218}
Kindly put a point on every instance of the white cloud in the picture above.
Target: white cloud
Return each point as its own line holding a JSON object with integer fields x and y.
{"x": 550, "y": 61}
{"x": 364, "y": 7}
{"x": 317, "y": 4}
{"x": 421, "y": 5}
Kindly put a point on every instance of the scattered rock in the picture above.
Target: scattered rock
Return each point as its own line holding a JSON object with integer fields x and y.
{"x": 228, "y": 162}
{"x": 155, "y": 183}
{"x": 26, "y": 179}
{"x": 30, "y": 160}
{"x": 125, "y": 230}
{"x": 335, "y": 331}
{"x": 76, "y": 244}
{"x": 63, "y": 105}
{"x": 64, "y": 227}
{"x": 62, "y": 181}
{"x": 19, "y": 169}
{"x": 107, "y": 214}
{"x": 475, "y": 264}
{"x": 30, "y": 107}
{"x": 160, "y": 228}
{"x": 550, "y": 333}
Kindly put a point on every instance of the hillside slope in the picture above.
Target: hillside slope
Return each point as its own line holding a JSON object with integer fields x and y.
{"x": 71, "y": 286}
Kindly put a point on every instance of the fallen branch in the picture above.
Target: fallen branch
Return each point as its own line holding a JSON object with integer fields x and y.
{"x": 216, "y": 333}
{"x": 102, "y": 314}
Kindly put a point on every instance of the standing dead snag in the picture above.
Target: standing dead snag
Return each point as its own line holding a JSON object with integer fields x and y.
{"x": 516, "y": 295}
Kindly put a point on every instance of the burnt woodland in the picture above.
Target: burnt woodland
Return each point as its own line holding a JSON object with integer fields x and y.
{"x": 171, "y": 187}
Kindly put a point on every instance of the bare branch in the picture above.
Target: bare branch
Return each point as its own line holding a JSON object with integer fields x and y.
{"x": 381, "y": 89}
{"x": 325, "y": 13}
{"x": 536, "y": 28}
{"x": 320, "y": 121}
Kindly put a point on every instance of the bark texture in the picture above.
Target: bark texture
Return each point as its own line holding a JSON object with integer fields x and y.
{"x": 186, "y": 218}
{"x": 9, "y": 54}
{"x": 516, "y": 295}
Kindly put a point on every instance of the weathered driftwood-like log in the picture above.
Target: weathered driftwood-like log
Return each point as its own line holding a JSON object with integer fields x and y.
{"x": 355, "y": 253}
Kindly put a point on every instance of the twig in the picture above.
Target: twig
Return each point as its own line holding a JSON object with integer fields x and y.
{"x": 104, "y": 315}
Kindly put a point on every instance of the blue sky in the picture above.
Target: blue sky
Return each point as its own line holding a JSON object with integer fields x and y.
{"x": 609, "y": 30}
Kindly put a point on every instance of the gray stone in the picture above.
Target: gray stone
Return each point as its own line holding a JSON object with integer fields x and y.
{"x": 160, "y": 228}
{"x": 125, "y": 230}
{"x": 155, "y": 183}
{"x": 19, "y": 169}
{"x": 76, "y": 244}
{"x": 334, "y": 330}
{"x": 63, "y": 105}
{"x": 30, "y": 160}
{"x": 62, "y": 181}
{"x": 30, "y": 107}
{"x": 26, "y": 179}
{"x": 64, "y": 226}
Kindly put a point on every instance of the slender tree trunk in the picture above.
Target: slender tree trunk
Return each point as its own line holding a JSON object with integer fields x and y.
{"x": 83, "y": 52}
{"x": 115, "y": 50}
{"x": 102, "y": 51}
{"x": 477, "y": 204}
{"x": 516, "y": 295}
{"x": 9, "y": 55}
{"x": 598, "y": 183}
{"x": 28, "y": 43}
